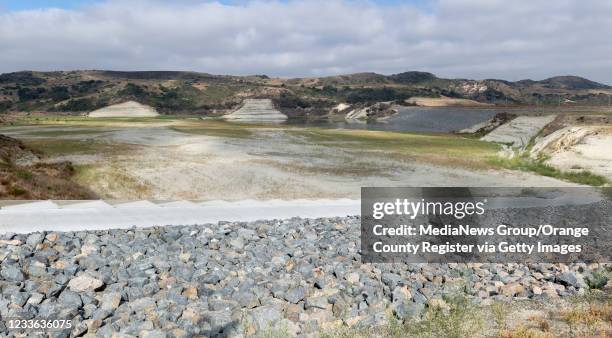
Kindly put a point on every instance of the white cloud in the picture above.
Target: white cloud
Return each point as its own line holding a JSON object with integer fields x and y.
{"x": 452, "y": 38}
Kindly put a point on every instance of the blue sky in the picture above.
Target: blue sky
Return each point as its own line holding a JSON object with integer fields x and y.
{"x": 15, "y": 5}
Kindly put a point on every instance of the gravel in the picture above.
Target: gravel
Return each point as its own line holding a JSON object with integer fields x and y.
{"x": 240, "y": 279}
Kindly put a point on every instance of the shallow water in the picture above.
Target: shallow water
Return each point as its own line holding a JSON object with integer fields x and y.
{"x": 416, "y": 119}
{"x": 438, "y": 119}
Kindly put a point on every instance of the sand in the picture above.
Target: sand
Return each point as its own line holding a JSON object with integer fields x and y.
{"x": 126, "y": 109}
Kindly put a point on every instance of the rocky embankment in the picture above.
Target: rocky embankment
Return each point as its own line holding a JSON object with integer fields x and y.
{"x": 237, "y": 279}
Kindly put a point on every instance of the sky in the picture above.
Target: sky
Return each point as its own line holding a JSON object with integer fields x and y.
{"x": 476, "y": 39}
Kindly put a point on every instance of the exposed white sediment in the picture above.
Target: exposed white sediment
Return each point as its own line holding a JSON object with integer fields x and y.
{"x": 125, "y": 109}
{"x": 578, "y": 148}
{"x": 519, "y": 131}
{"x": 254, "y": 110}
{"x": 357, "y": 114}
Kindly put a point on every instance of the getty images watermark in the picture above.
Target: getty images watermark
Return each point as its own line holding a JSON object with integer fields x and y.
{"x": 417, "y": 225}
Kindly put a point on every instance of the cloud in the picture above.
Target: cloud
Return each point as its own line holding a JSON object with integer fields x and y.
{"x": 452, "y": 38}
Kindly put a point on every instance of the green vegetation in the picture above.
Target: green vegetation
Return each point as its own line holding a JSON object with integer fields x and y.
{"x": 35, "y": 180}
{"x": 213, "y": 129}
{"x": 598, "y": 279}
{"x": 184, "y": 97}
{"x": 81, "y": 105}
{"x": 525, "y": 163}
{"x": 444, "y": 149}
{"x": 59, "y": 147}
{"x": 199, "y": 93}
{"x": 457, "y": 318}
{"x": 374, "y": 95}
{"x": 63, "y": 132}
{"x": 85, "y": 121}
{"x": 460, "y": 319}
{"x": 23, "y": 174}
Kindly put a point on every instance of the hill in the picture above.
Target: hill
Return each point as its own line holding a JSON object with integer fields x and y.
{"x": 176, "y": 92}
{"x": 23, "y": 175}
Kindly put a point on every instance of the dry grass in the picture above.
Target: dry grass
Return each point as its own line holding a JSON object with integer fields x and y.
{"x": 112, "y": 181}
{"x": 41, "y": 181}
{"x": 589, "y": 315}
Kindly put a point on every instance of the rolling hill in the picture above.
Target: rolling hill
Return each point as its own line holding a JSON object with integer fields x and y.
{"x": 175, "y": 92}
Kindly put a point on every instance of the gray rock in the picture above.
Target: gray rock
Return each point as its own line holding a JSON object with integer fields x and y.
{"x": 571, "y": 278}
{"x": 316, "y": 302}
{"x": 37, "y": 270}
{"x": 110, "y": 301}
{"x": 407, "y": 310}
{"x": 35, "y": 298}
{"x": 265, "y": 316}
{"x": 70, "y": 298}
{"x": 142, "y": 304}
{"x": 34, "y": 239}
{"x": 246, "y": 299}
{"x": 153, "y": 334}
{"x": 19, "y": 298}
{"x": 11, "y": 273}
{"x": 295, "y": 295}
{"x": 391, "y": 279}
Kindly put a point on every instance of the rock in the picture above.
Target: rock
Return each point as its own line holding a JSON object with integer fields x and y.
{"x": 191, "y": 293}
{"x": 512, "y": 289}
{"x": 391, "y": 279}
{"x": 401, "y": 293}
{"x": 153, "y": 334}
{"x": 37, "y": 269}
{"x": 11, "y": 273}
{"x": 265, "y": 316}
{"x": 84, "y": 283}
{"x": 219, "y": 321}
{"x": 110, "y": 301}
{"x": 71, "y": 298}
{"x": 316, "y": 302}
{"x": 297, "y": 276}
{"x": 79, "y": 329}
{"x": 407, "y": 310}
{"x": 142, "y": 304}
{"x": 52, "y": 237}
{"x": 352, "y": 277}
{"x": 12, "y": 242}
{"x": 536, "y": 290}
{"x": 184, "y": 257}
{"x": 295, "y": 295}
{"x": 340, "y": 308}
{"x": 35, "y": 239}
{"x": 19, "y": 298}
{"x": 246, "y": 299}
{"x": 35, "y": 298}
{"x": 574, "y": 279}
